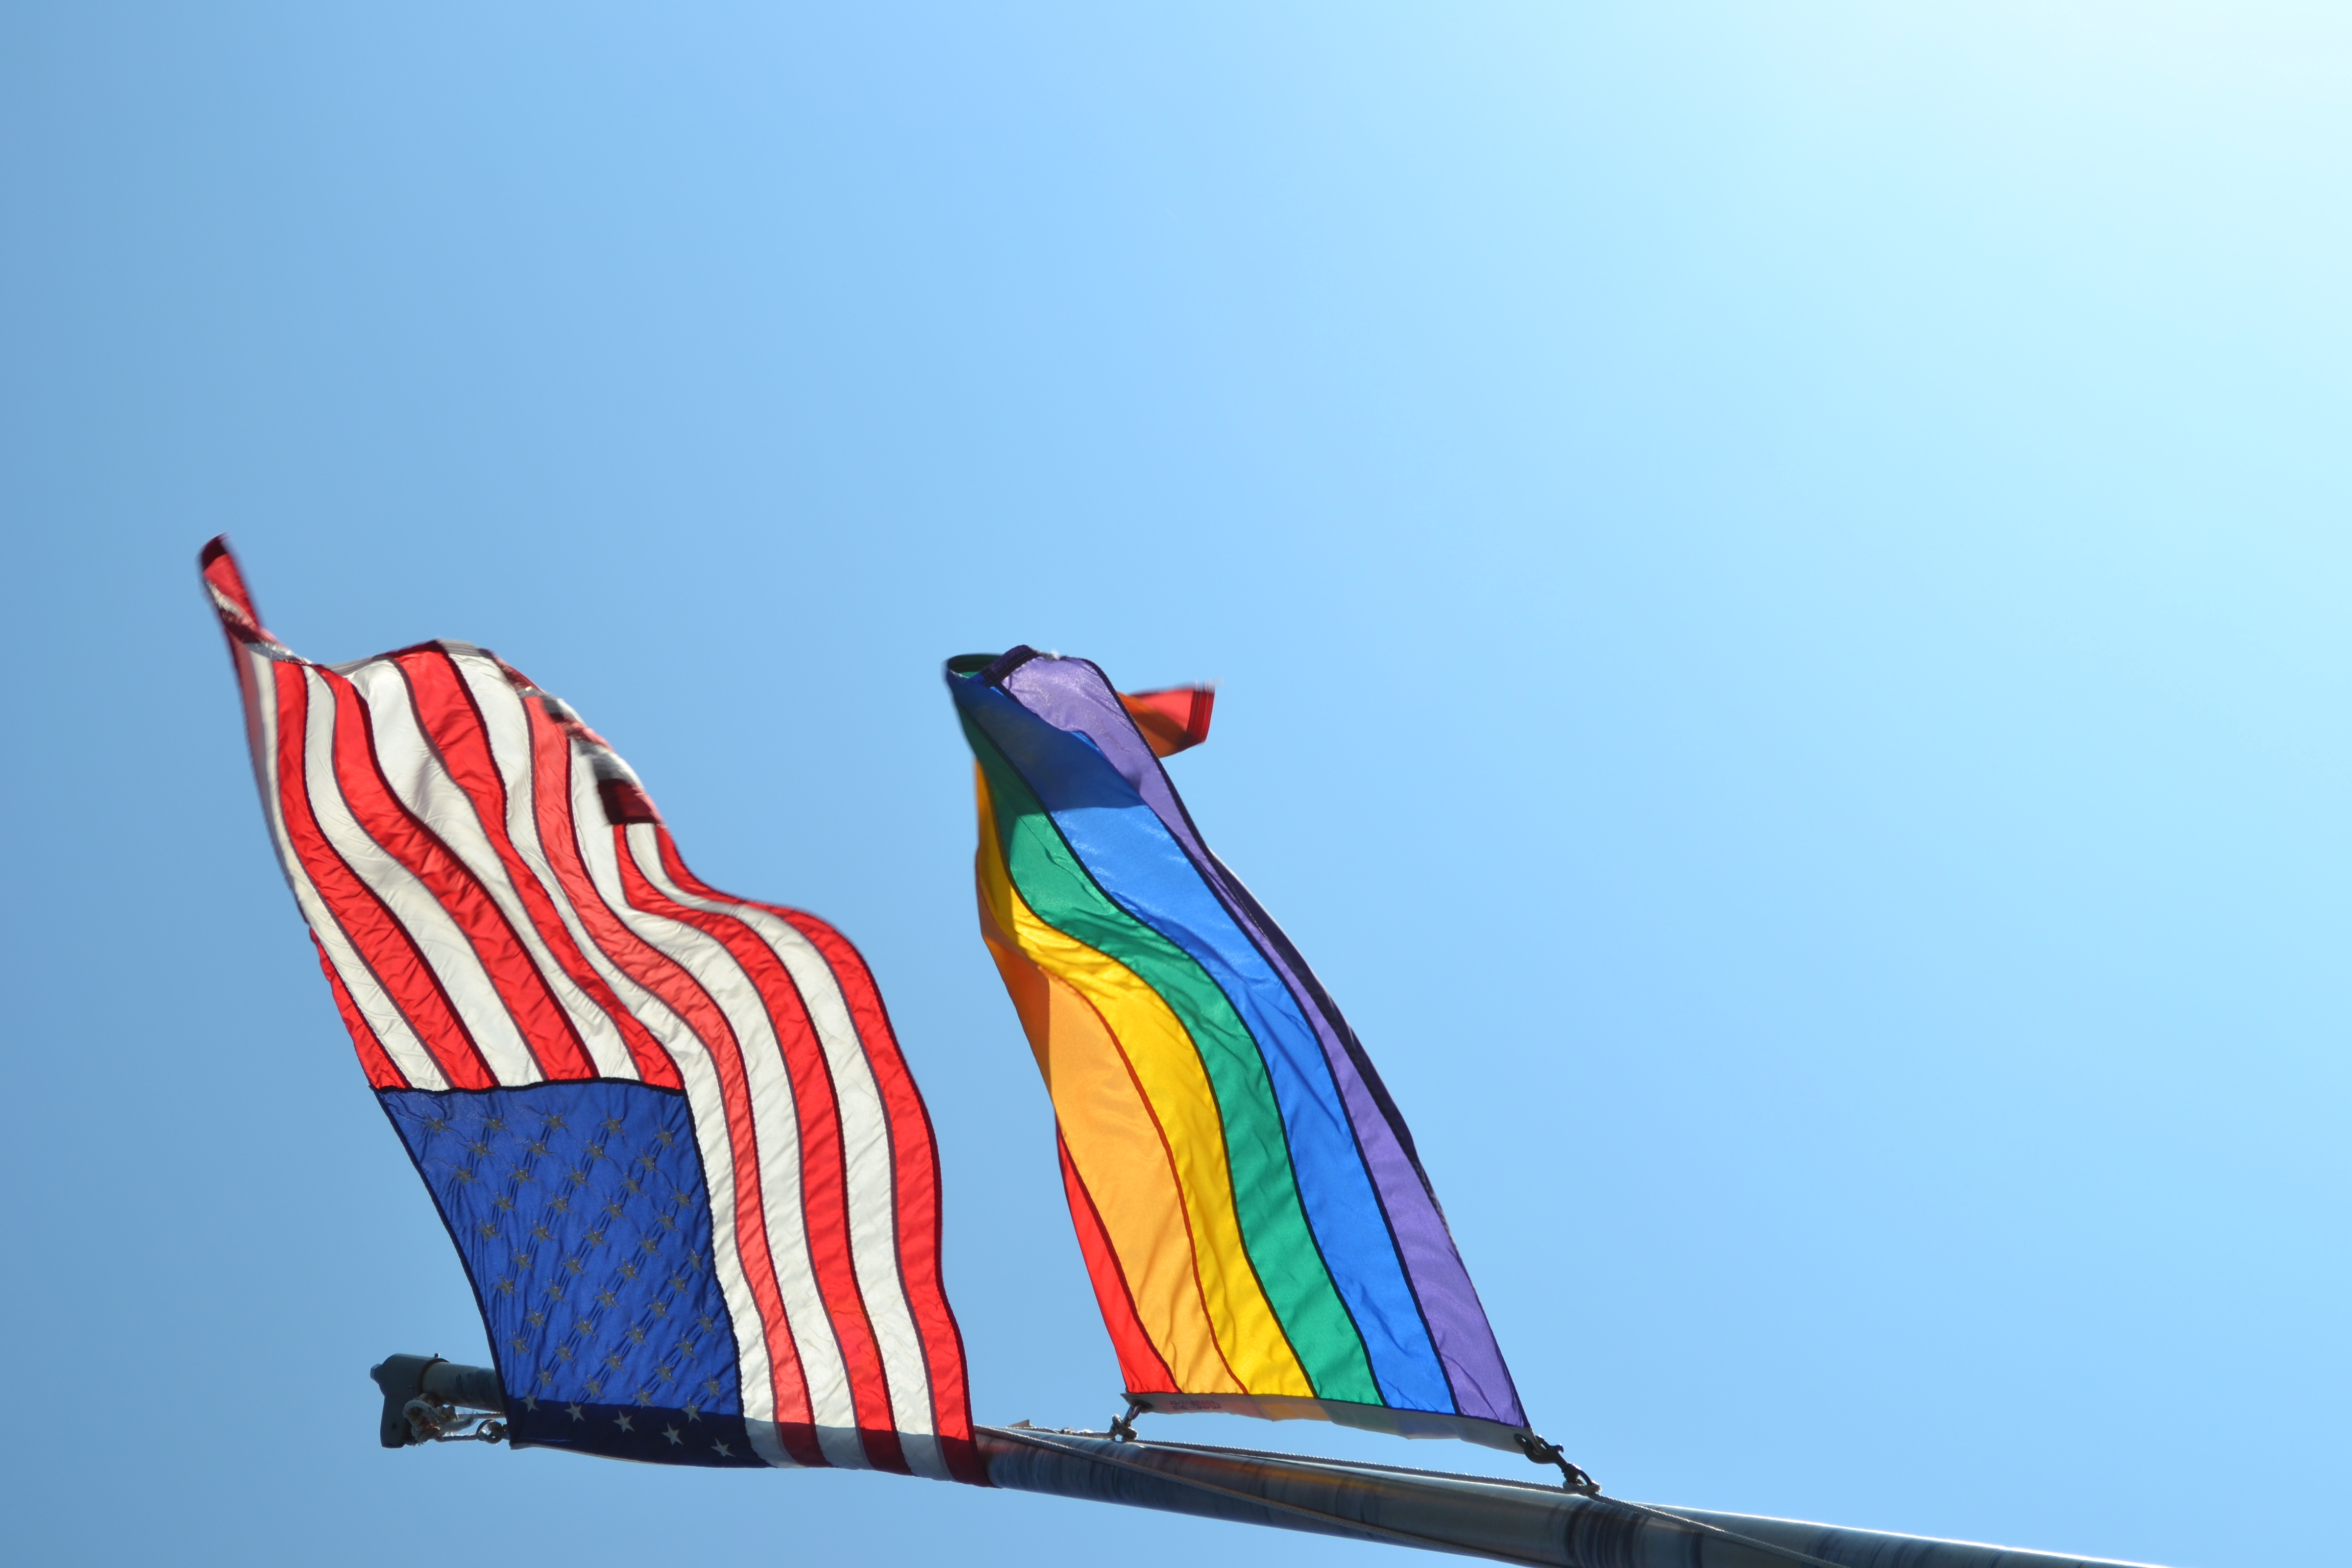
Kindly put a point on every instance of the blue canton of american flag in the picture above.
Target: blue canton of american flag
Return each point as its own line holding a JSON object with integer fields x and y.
{"x": 581, "y": 1213}
{"x": 670, "y": 1130}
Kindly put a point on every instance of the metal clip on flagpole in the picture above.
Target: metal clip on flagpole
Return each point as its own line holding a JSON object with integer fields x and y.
{"x": 1572, "y": 1476}
{"x": 1122, "y": 1427}
{"x": 429, "y": 1400}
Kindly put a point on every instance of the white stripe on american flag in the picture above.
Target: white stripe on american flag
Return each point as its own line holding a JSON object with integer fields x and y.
{"x": 417, "y": 776}
{"x": 775, "y": 1121}
{"x": 391, "y": 1028}
{"x": 866, "y": 1155}
{"x": 430, "y": 926}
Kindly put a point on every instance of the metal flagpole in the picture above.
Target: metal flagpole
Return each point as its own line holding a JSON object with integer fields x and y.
{"x": 428, "y": 1400}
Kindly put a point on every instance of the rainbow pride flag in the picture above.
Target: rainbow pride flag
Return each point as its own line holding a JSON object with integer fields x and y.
{"x": 1254, "y": 1220}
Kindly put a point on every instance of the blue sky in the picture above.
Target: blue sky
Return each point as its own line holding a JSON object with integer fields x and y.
{"x": 1779, "y": 575}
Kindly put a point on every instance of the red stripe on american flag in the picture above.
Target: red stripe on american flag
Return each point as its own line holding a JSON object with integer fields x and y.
{"x": 551, "y": 775}
{"x": 824, "y": 1203}
{"x": 220, "y": 570}
{"x": 915, "y": 1165}
{"x": 383, "y": 943}
{"x": 539, "y": 1017}
{"x": 451, "y": 720}
{"x": 374, "y": 1059}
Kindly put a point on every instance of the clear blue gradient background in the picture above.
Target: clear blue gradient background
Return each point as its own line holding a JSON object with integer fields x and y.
{"x": 1791, "y": 561}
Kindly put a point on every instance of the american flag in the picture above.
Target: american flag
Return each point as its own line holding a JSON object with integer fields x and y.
{"x": 671, "y": 1131}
